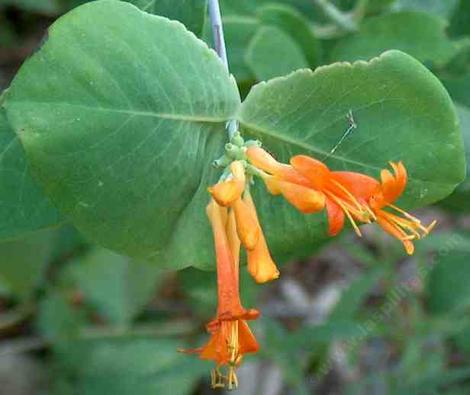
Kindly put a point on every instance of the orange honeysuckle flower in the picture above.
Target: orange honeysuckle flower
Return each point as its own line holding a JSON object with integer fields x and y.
{"x": 400, "y": 224}
{"x": 260, "y": 263}
{"x": 309, "y": 185}
{"x": 340, "y": 201}
{"x": 229, "y": 341}
{"x": 243, "y": 212}
{"x": 247, "y": 226}
{"x": 231, "y": 337}
{"x": 227, "y": 192}
{"x": 229, "y": 305}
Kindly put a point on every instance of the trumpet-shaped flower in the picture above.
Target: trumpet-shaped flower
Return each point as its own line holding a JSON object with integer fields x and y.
{"x": 260, "y": 263}
{"x": 234, "y": 193}
{"x": 399, "y": 224}
{"x": 309, "y": 185}
{"x": 231, "y": 337}
{"x": 306, "y": 181}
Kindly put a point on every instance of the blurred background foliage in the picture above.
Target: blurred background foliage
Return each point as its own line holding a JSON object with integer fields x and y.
{"x": 357, "y": 318}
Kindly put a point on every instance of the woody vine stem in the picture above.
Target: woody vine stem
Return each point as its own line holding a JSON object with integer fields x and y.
{"x": 219, "y": 43}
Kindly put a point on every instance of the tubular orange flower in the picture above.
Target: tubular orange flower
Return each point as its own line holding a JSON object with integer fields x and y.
{"x": 227, "y": 192}
{"x": 340, "y": 201}
{"x": 304, "y": 199}
{"x": 401, "y": 224}
{"x": 247, "y": 227}
{"x": 260, "y": 263}
{"x": 261, "y": 159}
{"x": 229, "y": 305}
{"x": 309, "y": 185}
{"x": 231, "y": 337}
{"x": 234, "y": 193}
{"x": 229, "y": 341}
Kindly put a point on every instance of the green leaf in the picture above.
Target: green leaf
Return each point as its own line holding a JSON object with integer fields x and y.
{"x": 239, "y": 32}
{"x": 23, "y": 205}
{"x": 8, "y": 40}
{"x": 192, "y": 13}
{"x": 459, "y": 65}
{"x": 23, "y": 263}
{"x": 42, "y": 6}
{"x": 440, "y": 8}
{"x": 313, "y": 335}
{"x": 460, "y": 198}
{"x": 460, "y": 22}
{"x": 353, "y": 297}
{"x": 123, "y": 140}
{"x": 462, "y": 340}
{"x": 239, "y": 7}
{"x": 58, "y": 320}
{"x": 402, "y": 112}
{"x": 287, "y": 351}
{"x": 242, "y": 33}
{"x": 418, "y": 34}
{"x": 395, "y": 102}
{"x": 117, "y": 286}
{"x": 127, "y": 366}
{"x": 68, "y": 243}
{"x": 459, "y": 88}
{"x": 296, "y": 26}
{"x": 273, "y": 53}
{"x": 447, "y": 288}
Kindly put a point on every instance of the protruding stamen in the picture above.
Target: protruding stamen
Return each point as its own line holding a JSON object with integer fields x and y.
{"x": 431, "y": 226}
{"x": 346, "y": 210}
{"x": 217, "y": 379}
{"x": 349, "y": 194}
{"x": 232, "y": 379}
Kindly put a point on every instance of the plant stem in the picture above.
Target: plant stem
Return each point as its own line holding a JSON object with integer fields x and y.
{"x": 341, "y": 19}
{"x": 165, "y": 330}
{"x": 219, "y": 42}
{"x": 218, "y": 31}
{"x": 359, "y": 10}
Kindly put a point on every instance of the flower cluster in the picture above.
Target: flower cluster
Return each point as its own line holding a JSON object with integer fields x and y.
{"x": 234, "y": 193}
{"x": 310, "y": 186}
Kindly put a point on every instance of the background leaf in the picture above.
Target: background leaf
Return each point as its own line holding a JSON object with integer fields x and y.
{"x": 273, "y": 53}
{"x": 460, "y": 22}
{"x": 118, "y": 287}
{"x": 44, "y": 6}
{"x": 460, "y": 198}
{"x": 101, "y": 366}
{"x": 443, "y": 9}
{"x": 239, "y": 32}
{"x": 23, "y": 263}
{"x": 252, "y": 52}
{"x": 192, "y": 13}
{"x": 448, "y": 284}
{"x": 296, "y": 26}
{"x": 418, "y": 34}
{"x": 355, "y": 294}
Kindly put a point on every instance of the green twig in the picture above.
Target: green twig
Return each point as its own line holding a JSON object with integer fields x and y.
{"x": 170, "y": 329}
{"x": 339, "y": 18}
{"x": 219, "y": 42}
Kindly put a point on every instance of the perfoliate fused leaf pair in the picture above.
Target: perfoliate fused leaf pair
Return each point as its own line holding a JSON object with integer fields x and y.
{"x": 121, "y": 141}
